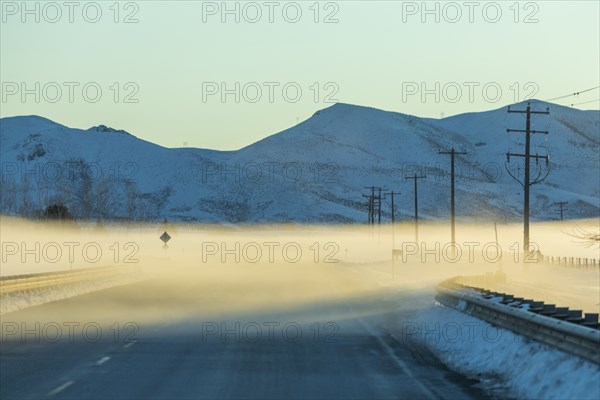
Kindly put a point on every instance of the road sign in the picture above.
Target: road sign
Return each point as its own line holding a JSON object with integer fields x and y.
{"x": 165, "y": 237}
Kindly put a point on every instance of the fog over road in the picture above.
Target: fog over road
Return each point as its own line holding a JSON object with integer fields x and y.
{"x": 307, "y": 331}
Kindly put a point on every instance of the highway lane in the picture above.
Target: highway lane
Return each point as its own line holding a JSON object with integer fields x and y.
{"x": 246, "y": 333}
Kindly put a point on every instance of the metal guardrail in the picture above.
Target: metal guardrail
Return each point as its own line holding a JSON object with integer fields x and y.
{"x": 558, "y": 331}
{"x": 24, "y": 283}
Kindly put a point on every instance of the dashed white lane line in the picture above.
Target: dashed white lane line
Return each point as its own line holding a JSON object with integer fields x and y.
{"x": 128, "y": 345}
{"x": 102, "y": 360}
{"x": 60, "y": 388}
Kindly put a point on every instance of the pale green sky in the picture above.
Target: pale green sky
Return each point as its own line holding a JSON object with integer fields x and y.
{"x": 378, "y": 53}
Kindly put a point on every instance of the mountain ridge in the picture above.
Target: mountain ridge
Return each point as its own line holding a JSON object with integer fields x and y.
{"x": 315, "y": 171}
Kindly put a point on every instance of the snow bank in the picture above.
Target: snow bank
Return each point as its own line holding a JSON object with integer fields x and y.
{"x": 506, "y": 364}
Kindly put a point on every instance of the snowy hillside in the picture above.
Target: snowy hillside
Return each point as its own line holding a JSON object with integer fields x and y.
{"x": 316, "y": 171}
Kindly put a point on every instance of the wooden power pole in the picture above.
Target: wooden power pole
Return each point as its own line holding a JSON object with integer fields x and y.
{"x": 370, "y": 206}
{"x": 393, "y": 194}
{"x": 527, "y": 181}
{"x": 374, "y": 200}
{"x": 561, "y": 205}
{"x": 416, "y": 177}
{"x": 452, "y": 204}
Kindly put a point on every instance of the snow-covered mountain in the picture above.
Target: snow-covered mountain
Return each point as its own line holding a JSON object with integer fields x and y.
{"x": 315, "y": 171}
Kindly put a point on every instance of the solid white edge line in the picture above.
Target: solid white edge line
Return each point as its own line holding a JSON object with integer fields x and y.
{"x": 430, "y": 394}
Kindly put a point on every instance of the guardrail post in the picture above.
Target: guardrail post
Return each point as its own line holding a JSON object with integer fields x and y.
{"x": 568, "y": 262}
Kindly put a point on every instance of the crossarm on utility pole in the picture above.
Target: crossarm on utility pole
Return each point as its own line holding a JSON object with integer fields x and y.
{"x": 452, "y": 154}
{"x": 527, "y": 156}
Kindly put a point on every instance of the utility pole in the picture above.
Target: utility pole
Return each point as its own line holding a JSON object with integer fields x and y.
{"x": 392, "y": 194}
{"x": 415, "y": 177}
{"x": 370, "y": 210}
{"x": 452, "y": 204}
{"x": 374, "y": 201}
{"x": 561, "y": 204}
{"x": 527, "y": 182}
{"x": 370, "y": 204}
{"x": 498, "y": 247}
{"x": 379, "y": 207}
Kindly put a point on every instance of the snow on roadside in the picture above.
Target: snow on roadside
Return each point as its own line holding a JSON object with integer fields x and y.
{"x": 506, "y": 364}
{"x": 18, "y": 301}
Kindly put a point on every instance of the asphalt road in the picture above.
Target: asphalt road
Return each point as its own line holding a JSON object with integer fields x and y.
{"x": 263, "y": 333}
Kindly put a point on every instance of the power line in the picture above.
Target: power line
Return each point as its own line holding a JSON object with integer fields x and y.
{"x": 572, "y": 94}
{"x": 585, "y": 102}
